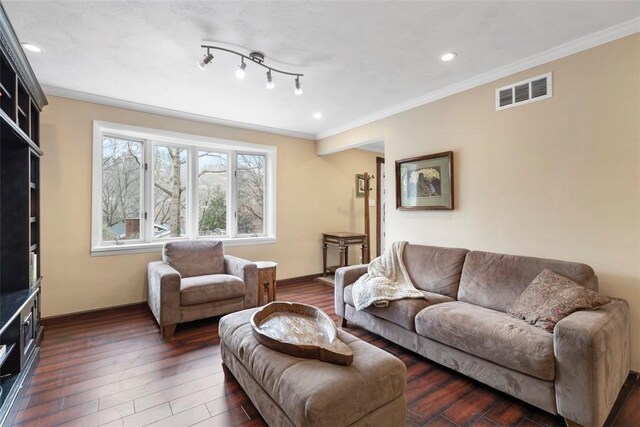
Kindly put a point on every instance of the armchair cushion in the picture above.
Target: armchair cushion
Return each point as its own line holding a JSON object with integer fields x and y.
{"x": 195, "y": 257}
{"x": 208, "y": 288}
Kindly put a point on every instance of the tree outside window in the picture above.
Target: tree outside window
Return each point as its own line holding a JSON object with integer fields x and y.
{"x": 170, "y": 191}
{"x": 121, "y": 184}
{"x": 250, "y": 188}
{"x": 212, "y": 193}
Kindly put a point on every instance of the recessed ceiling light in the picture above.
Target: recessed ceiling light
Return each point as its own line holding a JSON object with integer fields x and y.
{"x": 448, "y": 56}
{"x": 31, "y": 47}
{"x": 317, "y": 115}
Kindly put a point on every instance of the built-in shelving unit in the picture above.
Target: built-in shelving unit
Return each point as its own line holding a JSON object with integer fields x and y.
{"x": 21, "y": 101}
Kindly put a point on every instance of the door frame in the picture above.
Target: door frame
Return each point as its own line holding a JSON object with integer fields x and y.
{"x": 379, "y": 190}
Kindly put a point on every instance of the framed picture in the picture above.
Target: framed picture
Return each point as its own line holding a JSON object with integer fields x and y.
{"x": 425, "y": 182}
{"x": 359, "y": 185}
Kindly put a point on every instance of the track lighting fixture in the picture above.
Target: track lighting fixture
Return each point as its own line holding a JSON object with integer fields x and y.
{"x": 270, "y": 84}
{"x": 205, "y": 61}
{"x": 255, "y": 57}
{"x": 240, "y": 73}
{"x": 298, "y": 90}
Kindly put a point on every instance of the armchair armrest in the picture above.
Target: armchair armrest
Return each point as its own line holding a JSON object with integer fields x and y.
{"x": 344, "y": 277}
{"x": 592, "y": 353}
{"x": 164, "y": 292}
{"x": 248, "y": 272}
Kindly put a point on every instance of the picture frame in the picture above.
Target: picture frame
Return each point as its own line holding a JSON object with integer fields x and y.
{"x": 359, "y": 185}
{"x": 425, "y": 182}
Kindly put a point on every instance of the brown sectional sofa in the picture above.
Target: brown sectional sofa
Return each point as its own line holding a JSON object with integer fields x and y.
{"x": 576, "y": 371}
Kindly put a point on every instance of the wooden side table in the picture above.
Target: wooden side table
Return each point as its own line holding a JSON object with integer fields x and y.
{"x": 342, "y": 240}
{"x": 266, "y": 274}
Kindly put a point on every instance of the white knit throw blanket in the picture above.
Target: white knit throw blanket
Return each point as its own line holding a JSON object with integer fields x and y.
{"x": 386, "y": 280}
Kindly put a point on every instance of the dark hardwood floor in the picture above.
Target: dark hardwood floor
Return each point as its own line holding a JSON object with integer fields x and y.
{"x": 113, "y": 368}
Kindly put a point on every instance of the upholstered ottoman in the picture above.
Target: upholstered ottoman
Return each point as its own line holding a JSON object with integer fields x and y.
{"x": 291, "y": 391}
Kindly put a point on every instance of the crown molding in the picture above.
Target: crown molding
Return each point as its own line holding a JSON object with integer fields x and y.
{"x": 592, "y": 40}
{"x": 167, "y": 112}
{"x": 595, "y": 39}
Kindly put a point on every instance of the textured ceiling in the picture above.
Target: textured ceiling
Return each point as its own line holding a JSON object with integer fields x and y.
{"x": 358, "y": 57}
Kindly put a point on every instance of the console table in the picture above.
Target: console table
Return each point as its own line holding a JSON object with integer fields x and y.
{"x": 342, "y": 240}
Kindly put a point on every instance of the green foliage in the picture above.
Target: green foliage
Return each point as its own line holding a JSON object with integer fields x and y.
{"x": 213, "y": 218}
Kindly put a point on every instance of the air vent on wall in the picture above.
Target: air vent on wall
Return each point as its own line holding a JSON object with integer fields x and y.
{"x": 524, "y": 92}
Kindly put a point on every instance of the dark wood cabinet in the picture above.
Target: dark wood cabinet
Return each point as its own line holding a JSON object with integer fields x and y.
{"x": 21, "y": 101}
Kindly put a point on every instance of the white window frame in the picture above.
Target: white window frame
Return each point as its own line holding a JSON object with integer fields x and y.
{"x": 153, "y": 137}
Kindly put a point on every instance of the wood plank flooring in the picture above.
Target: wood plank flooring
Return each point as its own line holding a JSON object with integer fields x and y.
{"x": 112, "y": 368}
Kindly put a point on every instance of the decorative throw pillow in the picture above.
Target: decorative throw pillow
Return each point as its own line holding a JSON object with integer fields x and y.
{"x": 551, "y": 297}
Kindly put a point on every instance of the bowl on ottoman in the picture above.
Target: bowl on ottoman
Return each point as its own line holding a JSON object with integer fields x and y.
{"x": 292, "y": 391}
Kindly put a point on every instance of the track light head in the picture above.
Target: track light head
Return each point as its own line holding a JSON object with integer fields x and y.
{"x": 205, "y": 61}
{"x": 270, "y": 83}
{"x": 298, "y": 90}
{"x": 257, "y": 59}
{"x": 240, "y": 73}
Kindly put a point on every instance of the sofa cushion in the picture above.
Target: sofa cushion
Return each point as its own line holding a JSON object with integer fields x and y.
{"x": 212, "y": 287}
{"x": 401, "y": 312}
{"x": 491, "y": 335}
{"x": 195, "y": 257}
{"x": 496, "y": 280}
{"x": 550, "y": 298}
{"x": 434, "y": 269}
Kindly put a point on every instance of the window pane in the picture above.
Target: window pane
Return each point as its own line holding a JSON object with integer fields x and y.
{"x": 121, "y": 178}
{"x": 169, "y": 192}
{"x": 250, "y": 189}
{"x": 212, "y": 193}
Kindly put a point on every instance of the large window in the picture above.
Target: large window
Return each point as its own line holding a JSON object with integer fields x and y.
{"x": 153, "y": 186}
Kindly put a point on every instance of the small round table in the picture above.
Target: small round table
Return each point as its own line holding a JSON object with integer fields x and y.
{"x": 266, "y": 274}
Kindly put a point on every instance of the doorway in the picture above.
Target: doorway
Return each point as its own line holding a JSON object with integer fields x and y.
{"x": 380, "y": 206}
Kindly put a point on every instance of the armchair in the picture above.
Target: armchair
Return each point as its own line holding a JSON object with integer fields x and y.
{"x": 196, "y": 280}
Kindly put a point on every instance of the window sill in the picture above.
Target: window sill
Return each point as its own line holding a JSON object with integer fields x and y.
{"x": 139, "y": 248}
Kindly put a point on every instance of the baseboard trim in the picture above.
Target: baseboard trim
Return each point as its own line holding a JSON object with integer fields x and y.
{"x": 298, "y": 279}
{"x": 61, "y": 318}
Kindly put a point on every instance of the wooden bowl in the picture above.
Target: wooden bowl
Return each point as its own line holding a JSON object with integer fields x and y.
{"x": 300, "y": 330}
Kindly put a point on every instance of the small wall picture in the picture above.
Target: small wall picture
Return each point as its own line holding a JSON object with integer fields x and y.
{"x": 425, "y": 182}
{"x": 359, "y": 185}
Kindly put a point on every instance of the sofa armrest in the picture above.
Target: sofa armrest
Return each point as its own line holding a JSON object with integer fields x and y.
{"x": 343, "y": 278}
{"x": 592, "y": 353}
{"x": 163, "y": 283}
{"x": 248, "y": 272}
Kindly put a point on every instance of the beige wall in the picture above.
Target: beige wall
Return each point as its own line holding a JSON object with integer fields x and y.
{"x": 557, "y": 178}
{"x": 314, "y": 195}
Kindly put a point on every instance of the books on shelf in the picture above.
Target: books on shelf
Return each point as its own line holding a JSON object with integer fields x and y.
{"x": 33, "y": 268}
